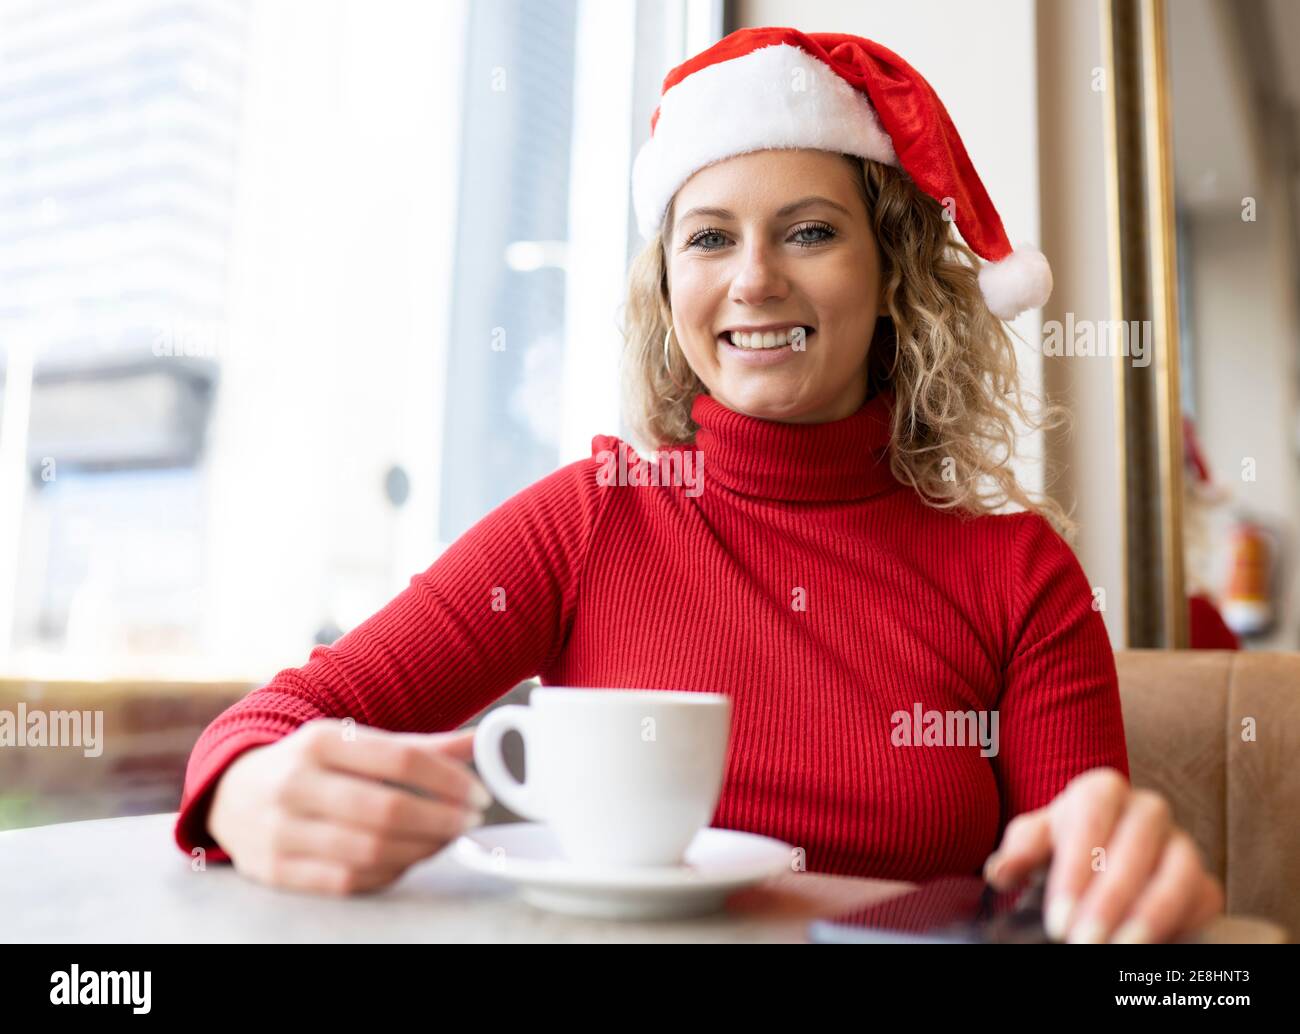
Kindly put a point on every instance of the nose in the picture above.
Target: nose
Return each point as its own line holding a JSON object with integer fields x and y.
{"x": 760, "y": 278}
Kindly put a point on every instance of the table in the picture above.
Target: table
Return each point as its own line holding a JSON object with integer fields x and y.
{"x": 124, "y": 880}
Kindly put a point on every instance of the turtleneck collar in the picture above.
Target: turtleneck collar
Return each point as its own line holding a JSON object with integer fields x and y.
{"x": 838, "y": 460}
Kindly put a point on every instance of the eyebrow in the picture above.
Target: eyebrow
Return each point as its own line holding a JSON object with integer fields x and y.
{"x": 790, "y": 209}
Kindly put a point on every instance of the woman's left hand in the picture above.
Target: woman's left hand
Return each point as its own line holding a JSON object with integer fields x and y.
{"x": 1145, "y": 884}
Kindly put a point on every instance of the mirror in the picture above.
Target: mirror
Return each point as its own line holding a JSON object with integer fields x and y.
{"x": 1235, "y": 126}
{"x": 1205, "y": 138}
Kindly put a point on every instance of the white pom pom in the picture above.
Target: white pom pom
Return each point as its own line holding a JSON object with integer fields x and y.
{"x": 1021, "y": 281}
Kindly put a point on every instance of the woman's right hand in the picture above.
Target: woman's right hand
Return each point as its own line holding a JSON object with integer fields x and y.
{"x": 315, "y": 811}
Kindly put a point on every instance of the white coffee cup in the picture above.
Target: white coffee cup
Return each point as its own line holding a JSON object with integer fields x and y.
{"x": 621, "y": 776}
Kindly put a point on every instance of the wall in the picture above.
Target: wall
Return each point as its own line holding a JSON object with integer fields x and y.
{"x": 1075, "y": 220}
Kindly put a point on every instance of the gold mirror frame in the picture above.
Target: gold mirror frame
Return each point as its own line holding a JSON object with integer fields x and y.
{"x": 1143, "y": 287}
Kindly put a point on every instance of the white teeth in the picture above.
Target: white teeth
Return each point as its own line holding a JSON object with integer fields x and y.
{"x": 766, "y": 339}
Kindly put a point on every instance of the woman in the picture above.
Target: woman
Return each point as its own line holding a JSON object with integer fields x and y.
{"x": 807, "y": 336}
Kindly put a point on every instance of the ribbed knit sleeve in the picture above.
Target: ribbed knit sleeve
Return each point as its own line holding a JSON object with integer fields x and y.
{"x": 1059, "y": 711}
{"x": 492, "y": 610}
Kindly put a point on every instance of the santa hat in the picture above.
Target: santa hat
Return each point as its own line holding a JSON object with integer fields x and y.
{"x": 1202, "y": 482}
{"x": 1193, "y": 457}
{"x": 765, "y": 88}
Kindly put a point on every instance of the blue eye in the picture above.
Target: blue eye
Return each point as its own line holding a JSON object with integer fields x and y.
{"x": 701, "y": 235}
{"x": 815, "y": 228}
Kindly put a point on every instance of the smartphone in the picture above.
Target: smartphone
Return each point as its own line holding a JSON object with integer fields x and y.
{"x": 945, "y": 910}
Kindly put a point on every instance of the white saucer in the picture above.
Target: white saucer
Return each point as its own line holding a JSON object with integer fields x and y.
{"x": 717, "y": 863}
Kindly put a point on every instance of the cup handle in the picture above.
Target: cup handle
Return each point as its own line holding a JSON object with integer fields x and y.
{"x": 515, "y": 795}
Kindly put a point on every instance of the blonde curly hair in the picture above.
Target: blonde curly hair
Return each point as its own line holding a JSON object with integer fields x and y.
{"x": 950, "y": 362}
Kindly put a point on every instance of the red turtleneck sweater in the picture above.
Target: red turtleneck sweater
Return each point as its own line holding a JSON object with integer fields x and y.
{"x": 804, "y": 581}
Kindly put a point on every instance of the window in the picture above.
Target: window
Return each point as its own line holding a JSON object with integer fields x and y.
{"x": 290, "y": 296}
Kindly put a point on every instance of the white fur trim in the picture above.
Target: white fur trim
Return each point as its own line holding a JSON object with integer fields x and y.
{"x": 774, "y": 97}
{"x": 1021, "y": 281}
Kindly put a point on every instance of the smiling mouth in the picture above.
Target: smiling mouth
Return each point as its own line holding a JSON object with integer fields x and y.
{"x": 766, "y": 340}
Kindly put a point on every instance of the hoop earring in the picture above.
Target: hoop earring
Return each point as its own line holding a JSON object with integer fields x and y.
{"x": 668, "y": 369}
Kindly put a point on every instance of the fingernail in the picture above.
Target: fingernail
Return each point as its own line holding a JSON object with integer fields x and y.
{"x": 1133, "y": 932}
{"x": 992, "y": 868}
{"x": 1058, "y": 916}
{"x": 1087, "y": 931}
{"x": 479, "y": 796}
{"x": 472, "y": 819}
